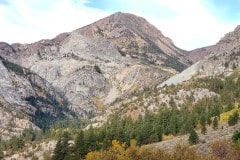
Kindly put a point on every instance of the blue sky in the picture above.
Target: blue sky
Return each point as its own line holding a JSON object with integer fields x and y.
{"x": 189, "y": 23}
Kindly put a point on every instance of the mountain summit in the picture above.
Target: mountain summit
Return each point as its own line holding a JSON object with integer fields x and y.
{"x": 136, "y": 37}
{"x": 84, "y": 71}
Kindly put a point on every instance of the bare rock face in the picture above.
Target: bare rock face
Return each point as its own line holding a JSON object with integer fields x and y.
{"x": 27, "y": 100}
{"x": 100, "y": 62}
{"x": 13, "y": 119}
{"x": 133, "y": 36}
{"x": 224, "y": 57}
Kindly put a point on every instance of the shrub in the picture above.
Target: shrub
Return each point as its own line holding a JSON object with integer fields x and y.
{"x": 215, "y": 123}
{"x": 185, "y": 153}
{"x": 97, "y": 69}
{"x": 220, "y": 149}
{"x": 236, "y": 136}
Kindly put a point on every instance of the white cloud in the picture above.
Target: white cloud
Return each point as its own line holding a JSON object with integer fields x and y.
{"x": 27, "y": 21}
{"x": 194, "y": 25}
{"x": 189, "y": 23}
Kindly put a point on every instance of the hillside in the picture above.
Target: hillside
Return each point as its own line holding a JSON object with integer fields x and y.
{"x": 224, "y": 58}
{"x": 199, "y": 53}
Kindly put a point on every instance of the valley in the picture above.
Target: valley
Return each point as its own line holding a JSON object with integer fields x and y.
{"x": 119, "y": 84}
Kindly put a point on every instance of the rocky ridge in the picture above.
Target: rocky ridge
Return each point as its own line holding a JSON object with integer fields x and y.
{"x": 199, "y": 53}
{"x": 224, "y": 58}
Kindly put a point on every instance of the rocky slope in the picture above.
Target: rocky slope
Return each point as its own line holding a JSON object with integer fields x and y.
{"x": 94, "y": 65}
{"x": 199, "y": 53}
{"x": 27, "y": 100}
{"x": 224, "y": 58}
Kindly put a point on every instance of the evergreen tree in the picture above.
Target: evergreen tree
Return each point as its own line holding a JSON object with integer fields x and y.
{"x": 236, "y": 136}
{"x": 193, "y": 137}
{"x": 61, "y": 150}
{"x": 215, "y": 123}
{"x": 233, "y": 119}
{"x": 236, "y": 116}
{"x": 203, "y": 124}
{"x": 209, "y": 121}
{"x": 1, "y": 154}
{"x": 80, "y": 147}
{"x": 202, "y": 120}
{"x": 173, "y": 124}
{"x": 90, "y": 139}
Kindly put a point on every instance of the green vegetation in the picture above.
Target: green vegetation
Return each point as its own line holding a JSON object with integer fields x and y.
{"x": 13, "y": 67}
{"x": 193, "y": 137}
{"x": 62, "y": 148}
{"x": 233, "y": 119}
{"x": 203, "y": 124}
{"x": 174, "y": 63}
{"x": 215, "y": 123}
{"x": 15, "y": 144}
{"x": 236, "y": 136}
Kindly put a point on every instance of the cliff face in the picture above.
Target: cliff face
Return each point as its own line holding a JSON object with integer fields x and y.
{"x": 27, "y": 100}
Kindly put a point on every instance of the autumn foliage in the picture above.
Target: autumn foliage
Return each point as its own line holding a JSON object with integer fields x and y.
{"x": 220, "y": 150}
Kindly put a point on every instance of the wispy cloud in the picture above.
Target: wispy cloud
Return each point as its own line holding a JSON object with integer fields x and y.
{"x": 189, "y": 23}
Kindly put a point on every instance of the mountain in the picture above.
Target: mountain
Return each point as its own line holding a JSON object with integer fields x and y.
{"x": 223, "y": 59}
{"x": 123, "y": 71}
{"x": 199, "y": 53}
{"x": 222, "y": 62}
{"x": 134, "y": 36}
{"x": 78, "y": 74}
{"x": 114, "y": 55}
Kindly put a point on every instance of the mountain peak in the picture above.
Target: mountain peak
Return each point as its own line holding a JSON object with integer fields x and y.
{"x": 135, "y": 36}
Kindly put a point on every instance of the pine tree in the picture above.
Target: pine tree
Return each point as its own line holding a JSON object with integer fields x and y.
{"x": 209, "y": 121}
{"x": 236, "y": 136}
{"x": 90, "y": 139}
{"x": 80, "y": 147}
{"x": 233, "y": 119}
{"x": 203, "y": 124}
{"x": 1, "y": 154}
{"x": 202, "y": 120}
{"x": 235, "y": 116}
{"x": 215, "y": 123}
{"x": 193, "y": 137}
{"x": 61, "y": 150}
